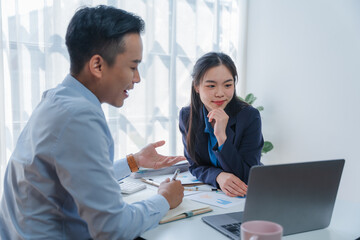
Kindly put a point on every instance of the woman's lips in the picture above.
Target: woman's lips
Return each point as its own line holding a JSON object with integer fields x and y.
{"x": 219, "y": 103}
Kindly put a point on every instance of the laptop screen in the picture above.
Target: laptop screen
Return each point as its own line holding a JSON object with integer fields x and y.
{"x": 298, "y": 196}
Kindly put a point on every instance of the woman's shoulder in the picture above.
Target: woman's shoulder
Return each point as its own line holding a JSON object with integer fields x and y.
{"x": 185, "y": 112}
{"x": 248, "y": 111}
{"x": 184, "y": 116}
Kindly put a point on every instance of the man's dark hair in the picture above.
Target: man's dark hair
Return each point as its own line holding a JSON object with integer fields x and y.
{"x": 99, "y": 30}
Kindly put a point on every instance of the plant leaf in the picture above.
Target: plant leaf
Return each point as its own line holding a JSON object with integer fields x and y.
{"x": 260, "y": 108}
{"x": 268, "y": 146}
{"x": 250, "y": 98}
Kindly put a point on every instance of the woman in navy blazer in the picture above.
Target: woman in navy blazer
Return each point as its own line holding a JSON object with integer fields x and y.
{"x": 221, "y": 134}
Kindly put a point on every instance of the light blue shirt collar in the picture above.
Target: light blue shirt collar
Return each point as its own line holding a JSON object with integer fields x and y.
{"x": 72, "y": 82}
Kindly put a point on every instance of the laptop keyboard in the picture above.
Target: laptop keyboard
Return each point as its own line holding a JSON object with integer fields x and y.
{"x": 233, "y": 228}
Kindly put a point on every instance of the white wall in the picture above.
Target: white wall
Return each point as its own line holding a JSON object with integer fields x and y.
{"x": 303, "y": 64}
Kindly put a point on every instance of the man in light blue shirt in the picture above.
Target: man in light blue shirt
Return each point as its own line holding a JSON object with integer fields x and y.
{"x": 61, "y": 180}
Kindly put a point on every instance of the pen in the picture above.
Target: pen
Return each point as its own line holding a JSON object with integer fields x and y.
{"x": 151, "y": 182}
{"x": 175, "y": 174}
{"x": 201, "y": 189}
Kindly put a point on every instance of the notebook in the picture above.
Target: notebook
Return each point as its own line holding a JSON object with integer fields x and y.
{"x": 186, "y": 209}
{"x": 298, "y": 196}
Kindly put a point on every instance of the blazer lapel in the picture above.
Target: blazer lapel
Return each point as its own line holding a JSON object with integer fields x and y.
{"x": 201, "y": 147}
{"x": 231, "y": 123}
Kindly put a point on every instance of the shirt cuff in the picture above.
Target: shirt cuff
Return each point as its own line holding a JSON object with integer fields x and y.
{"x": 121, "y": 169}
{"x": 162, "y": 203}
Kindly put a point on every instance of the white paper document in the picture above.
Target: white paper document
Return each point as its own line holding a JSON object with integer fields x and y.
{"x": 218, "y": 199}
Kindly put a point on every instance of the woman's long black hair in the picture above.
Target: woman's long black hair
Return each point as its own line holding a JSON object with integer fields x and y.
{"x": 202, "y": 65}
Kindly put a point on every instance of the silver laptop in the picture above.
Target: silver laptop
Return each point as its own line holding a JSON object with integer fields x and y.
{"x": 298, "y": 196}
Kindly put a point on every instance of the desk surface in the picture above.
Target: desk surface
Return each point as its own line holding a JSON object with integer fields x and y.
{"x": 345, "y": 224}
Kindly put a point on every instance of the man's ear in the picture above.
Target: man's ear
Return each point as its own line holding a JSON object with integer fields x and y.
{"x": 96, "y": 65}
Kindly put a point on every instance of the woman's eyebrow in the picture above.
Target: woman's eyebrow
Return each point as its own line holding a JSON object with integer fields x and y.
{"x": 229, "y": 80}
{"x": 210, "y": 81}
{"x": 213, "y": 81}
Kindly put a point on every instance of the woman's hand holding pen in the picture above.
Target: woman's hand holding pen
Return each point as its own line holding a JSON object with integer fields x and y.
{"x": 219, "y": 120}
{"x": 231, "y": 185}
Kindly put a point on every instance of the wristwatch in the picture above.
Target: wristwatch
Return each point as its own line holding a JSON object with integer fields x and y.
{"x": 132, "y": 163}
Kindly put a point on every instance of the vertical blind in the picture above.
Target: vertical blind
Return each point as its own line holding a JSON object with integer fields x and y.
{"x": 34, "y": 58}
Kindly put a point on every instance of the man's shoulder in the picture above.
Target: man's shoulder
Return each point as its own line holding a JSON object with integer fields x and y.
{"x": 61, "y": 109}
{"x": 70, "y": 101}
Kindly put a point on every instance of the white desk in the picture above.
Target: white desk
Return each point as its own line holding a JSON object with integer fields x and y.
{"x": 345, "y": 224}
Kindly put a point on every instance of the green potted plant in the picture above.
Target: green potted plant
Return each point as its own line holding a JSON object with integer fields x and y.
{"x": 250, "y": 99}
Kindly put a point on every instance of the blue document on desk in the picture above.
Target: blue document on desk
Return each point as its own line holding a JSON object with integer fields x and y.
{"x": 218, "y": 199}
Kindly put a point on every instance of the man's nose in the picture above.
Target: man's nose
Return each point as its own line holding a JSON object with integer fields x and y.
{"x": 137, "y": 78}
